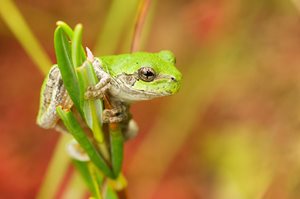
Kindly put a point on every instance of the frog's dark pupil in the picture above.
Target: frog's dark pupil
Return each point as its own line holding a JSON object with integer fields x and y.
{"x": 147, "y": 74}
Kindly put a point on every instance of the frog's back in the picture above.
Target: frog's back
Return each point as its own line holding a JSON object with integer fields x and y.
{"x": 53, "y": 94}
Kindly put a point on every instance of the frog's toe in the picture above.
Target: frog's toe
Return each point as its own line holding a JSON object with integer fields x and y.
{"x": 93, "y": 94}
{"x": 77, "y": 152}
{"x": 113, "y": 116}
{"x": 131, "y": 131}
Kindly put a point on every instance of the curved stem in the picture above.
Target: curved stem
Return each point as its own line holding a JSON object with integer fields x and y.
{"x": 139, "y": 24}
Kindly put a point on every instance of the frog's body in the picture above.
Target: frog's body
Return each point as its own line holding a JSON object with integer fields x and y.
{"x": 124, "y": 78}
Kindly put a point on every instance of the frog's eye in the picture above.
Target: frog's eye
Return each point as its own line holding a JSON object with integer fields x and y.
{"x": 146, "y": 74}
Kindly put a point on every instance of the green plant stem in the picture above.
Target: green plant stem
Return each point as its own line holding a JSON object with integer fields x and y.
{"x": 75, "y": 129}
{"x": 76, "y": 188}
{"x": 92, "y": 109}
{"x": 16, "y": 23}
{"x": 93, "y": 174}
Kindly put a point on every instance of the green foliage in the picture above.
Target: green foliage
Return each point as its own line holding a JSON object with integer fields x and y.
{"x": 92, "y": 109}
{"x": 78, "y": 74}
{"x": 91, "y": 177}
{"x": 117, "y": 146}
{"x": 74, "y": 128}
{"x": 64, "y": 61}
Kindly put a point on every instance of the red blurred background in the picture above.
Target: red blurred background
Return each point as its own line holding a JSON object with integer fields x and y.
{"x": 231, "y": 132}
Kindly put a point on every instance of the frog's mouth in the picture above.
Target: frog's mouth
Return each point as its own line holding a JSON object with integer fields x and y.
{"x": 129, "y": 88}
{"x": 139, "y": 95}
{"x": 153, "y": 93}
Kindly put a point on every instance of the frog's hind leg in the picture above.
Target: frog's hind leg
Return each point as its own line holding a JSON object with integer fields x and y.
{"x": 53, "y": 94}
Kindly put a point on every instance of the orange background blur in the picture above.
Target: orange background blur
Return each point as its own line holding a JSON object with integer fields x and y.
{"x": 232, "y": 132}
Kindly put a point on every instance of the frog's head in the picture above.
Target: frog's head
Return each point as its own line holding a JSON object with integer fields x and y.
{"x": 148, "y": 75}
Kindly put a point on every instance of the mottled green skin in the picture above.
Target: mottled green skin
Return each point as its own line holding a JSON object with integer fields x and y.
{"x": 162, "y": 62}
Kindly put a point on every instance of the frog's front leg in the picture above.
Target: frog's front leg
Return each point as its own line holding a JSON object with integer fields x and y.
{"x": 98, "y": 90}
{"x": 119, "y": 112}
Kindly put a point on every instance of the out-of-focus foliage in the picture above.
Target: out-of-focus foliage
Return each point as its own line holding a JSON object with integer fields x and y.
{"x": 231, "y": 132}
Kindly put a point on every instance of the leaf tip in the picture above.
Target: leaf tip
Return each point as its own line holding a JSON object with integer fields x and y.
{"x": 59, "y": 23}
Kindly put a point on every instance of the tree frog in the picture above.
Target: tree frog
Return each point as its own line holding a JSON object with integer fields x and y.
{"x": 124, "y": 78}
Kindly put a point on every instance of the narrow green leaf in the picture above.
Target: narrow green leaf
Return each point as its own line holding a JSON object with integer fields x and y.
{"x": 63, "y": 56}
{"x": 83, "y": 83}
{"x": 92, "y": 109}
{"x": 97, "y": 180}
{"x": 77, "y": 56}
{"x": 110, "y": 193}
{"x": 91, "y": 177}
{"x": 117, "y": 146}
{"x": 74, "y": 128}
{"x": 67, "y": 29}
{"x": 84, "y": 171}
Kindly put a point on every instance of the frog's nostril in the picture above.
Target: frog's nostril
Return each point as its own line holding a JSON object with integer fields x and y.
{"x": 173, "y": 79}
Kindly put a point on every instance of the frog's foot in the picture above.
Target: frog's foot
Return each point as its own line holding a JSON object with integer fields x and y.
{"x": 77, "y": 152}
{"x": 97, "y": 91}
{"x": 115, "y": 115}
{"x": 93, "y": 93}
{"x": 131, "y": 131}
{"x": 119, "y": 113}
{"x": 60, "y": 127}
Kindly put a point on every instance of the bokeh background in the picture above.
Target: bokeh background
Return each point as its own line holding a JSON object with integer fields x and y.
{"x": 232, "y": 132}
